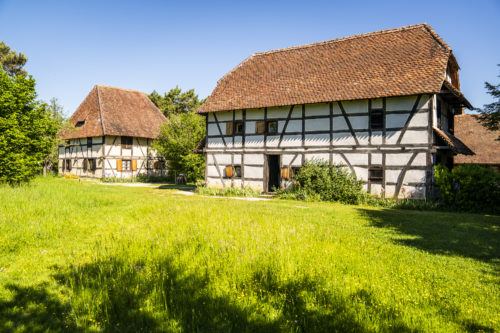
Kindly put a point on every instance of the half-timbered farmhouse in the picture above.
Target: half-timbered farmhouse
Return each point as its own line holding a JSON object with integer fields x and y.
{"x": 112, "y": 135}
{"x": 381, "y": 103}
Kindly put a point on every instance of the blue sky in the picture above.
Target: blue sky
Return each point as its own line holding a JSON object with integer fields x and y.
{"x": 146, "y": 45}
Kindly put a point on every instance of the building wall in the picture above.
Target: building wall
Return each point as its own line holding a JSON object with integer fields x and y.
{"x": 337, "y": 132}
{"x": 107, "y": 152}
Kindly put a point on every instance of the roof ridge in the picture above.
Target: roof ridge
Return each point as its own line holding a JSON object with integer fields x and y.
{"x": 363, "y": 35}
{"x": 117, "y": 88}
{"x": 100, "y": 110}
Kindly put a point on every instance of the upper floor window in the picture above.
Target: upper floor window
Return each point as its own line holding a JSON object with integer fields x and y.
{"x": 238, "y": 127}
{"x": 127, "y": 142}
{"x": 272, "y": 126}
{"x": 376, "y": 120}
{"x": 89, "y": 142}
{"x": 375, "y": 174}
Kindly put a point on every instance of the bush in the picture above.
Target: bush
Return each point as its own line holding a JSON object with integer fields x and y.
{"x": 141, "y": 178}
{"x": 317, "y": 180}
{"x": 468, "y": 187}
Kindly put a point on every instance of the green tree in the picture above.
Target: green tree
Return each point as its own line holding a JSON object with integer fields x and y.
{"x": 178, "y": 139}
{"x": 11, "y": 61}
{"x": 27, "y": 129}
{"x": 490, "y": 113}
{"x": 176, "y": 101}
{"x": 56, "y": 113}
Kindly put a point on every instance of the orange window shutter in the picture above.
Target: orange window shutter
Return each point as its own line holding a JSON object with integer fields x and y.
{"x": 229, "y": 171}
{"x": 260, "y": 127}
{"x": 285, "y": 173}
{"x": 134, "y": 165}
{"x": 119, "y": 165}
{"x": 229, "y": 128}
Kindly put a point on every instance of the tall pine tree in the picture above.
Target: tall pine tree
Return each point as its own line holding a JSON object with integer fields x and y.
{"x": 11, "y": 61}
{"x": 490, "y": 113}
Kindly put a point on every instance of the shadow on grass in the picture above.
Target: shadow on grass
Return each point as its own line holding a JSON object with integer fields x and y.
{"x": 178, "y": 187}
{"x": 467, "y": 235}
{"x": 34, "y": 310}
{"x": 178, "y": 300}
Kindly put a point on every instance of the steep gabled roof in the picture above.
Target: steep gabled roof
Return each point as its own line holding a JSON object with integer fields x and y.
{"x": 115, "y": 111}
{"x": 479, "y": 139}
{"x": 403, "y": 61}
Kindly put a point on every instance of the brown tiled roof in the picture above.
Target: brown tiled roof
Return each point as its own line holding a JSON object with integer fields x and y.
{"x": 403, "y": 61}
{"x": 479, "y": 139}
{"x": 451, "y": 141}
{"x": 115, "y": 111}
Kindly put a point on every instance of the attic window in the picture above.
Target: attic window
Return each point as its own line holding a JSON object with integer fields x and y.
{"x": 80, "y": 123}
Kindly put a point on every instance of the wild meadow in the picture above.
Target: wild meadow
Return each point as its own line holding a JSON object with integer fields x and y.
{"x": 90, "y": 257}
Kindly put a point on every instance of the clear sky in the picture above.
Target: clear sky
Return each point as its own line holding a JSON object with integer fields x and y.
{"x": 146, "y": 45}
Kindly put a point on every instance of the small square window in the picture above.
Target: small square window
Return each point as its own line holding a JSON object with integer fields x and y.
{"x": 238, "y": 127}
{"x": 272, "y": 126}
{"x": 376, "y": 119}
{"x": 126, "y": 165}
{"x": 375, "y": 174}
{"x": 126, "y": 142}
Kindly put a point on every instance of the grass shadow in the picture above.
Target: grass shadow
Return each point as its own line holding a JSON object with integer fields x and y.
{"x": 34, "y": 309}
{"x": 466, "y": 235}
{"x": 185, "y": 187}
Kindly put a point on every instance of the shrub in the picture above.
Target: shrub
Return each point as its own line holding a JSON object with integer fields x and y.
{"x": 318, "y": 180}
{"x": 468, "y": 187}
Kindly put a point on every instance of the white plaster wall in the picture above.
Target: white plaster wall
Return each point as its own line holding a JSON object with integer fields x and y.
{"x": 317, "y": 157}
{"x": 212, "y": 171}
{"x": 277, "y": 112}
{"x": 377, "y": 138}
{"x": 412, "y": 136}
{"x": 253, "y": 172}
{"x": 222, "y": 159}
{"x": 377, "y": 103}
{"x": 250, "y": 127}
{"x": 339, "y": 123}
{"x": 414, "y": 176}
{"x": 396, "y": 120}
{"x": 343, "y": 139}
{"x": 377, "y": 159}
{"x": 360, "y": 106}
{"x": 225, "y": 116}
{"x": 215, "y": 143}
{"x": 254, "y": 141}
{"x": 319, "y": 109}
{"x": 361, "y": 173}
{"x": 400, "y": 103}
{"x": 359, "y": 122}
{"x": 272, "y": 140}
{"x": 317, "y": 139}
{"x": 321, "y": 124}
{"x": 254, "y": 159}
{"x": 357, "y": 159}
{"x": 213, "y": 129}
{"x": 255, "y": 114}
{"x": 291, "y": 141}
{"x": 420, "y": 119}
{"x": 294, "y": 126}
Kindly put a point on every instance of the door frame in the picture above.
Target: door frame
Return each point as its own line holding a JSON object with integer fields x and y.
{"x": 266, "y": 171}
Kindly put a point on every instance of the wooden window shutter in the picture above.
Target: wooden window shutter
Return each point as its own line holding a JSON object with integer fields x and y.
{"x": 285, "y": 173}
{"x": 260, "y": 127}
{"x": 85, "y": 164}
{"x": 229, "y": 171}
{"x": 229, "y": 128}
{"x": 134, "y": 165}
{"x": 119, "y": 165}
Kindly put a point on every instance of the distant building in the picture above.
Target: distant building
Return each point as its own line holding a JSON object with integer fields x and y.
{"x": 480, "y": 140}
{"x": 112, "y": 137}
{"x": 381, "y": 103}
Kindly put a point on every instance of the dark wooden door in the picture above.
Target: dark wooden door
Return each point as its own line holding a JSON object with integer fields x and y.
{"x": 273, "y": 172}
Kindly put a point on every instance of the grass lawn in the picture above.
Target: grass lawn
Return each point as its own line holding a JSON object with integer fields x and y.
{"x": 81, "y": 256}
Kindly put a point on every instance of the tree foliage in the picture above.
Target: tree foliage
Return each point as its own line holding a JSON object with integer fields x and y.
{"x": 11, "y": 61}
{"x": 27, "y": 127}
{"x": 176, "y": 101}
{"x": 490, "y": 113}
{"x": 56, "y": 112}
{"x": 178, "y": 139}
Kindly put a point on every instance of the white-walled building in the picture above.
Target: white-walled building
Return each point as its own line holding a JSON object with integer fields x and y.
{"x": 112, "y": 135}
{"x": 380, "y": 103}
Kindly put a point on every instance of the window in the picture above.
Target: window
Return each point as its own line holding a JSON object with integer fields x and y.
{"x": 438, "y": 113}
{"x": 238, "y": 127}
{"x": 126, "y": 165}
{"x": 80, "y": 123}
{"x": 85, "y": 164}
{"x": 272, "y": 126}
{"x": 156, "y": 165}
{"x": 92, "y": 164}
{"x": 237, "y": 171}
{"x": 375, "y": 174}
{"x": 68, "y": 165}
{"x": 376, "y": 120}
{"x": 294, "y": 171}
{"x": 126, "y": 142}
{"x": 89, "y": 143}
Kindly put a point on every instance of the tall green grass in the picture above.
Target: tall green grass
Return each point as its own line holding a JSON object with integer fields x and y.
{"x": 92, "y": 257}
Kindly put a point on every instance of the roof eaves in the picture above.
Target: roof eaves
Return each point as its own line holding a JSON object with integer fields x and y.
{"x": 100, "y": 110}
